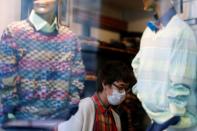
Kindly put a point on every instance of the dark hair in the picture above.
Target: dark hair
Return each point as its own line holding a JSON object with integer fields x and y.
{"x": 113, "y": 71}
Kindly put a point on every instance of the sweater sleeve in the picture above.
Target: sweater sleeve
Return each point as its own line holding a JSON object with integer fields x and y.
{"x": 136, "y": 60}
{"x": 77, "y": 74}
{"x": 183, "y": 76}
{"x": 135, "y": 65}
{"x": 8, "y": 75}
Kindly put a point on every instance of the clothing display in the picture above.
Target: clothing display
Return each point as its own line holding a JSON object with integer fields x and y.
{"x": 84, "y": 119}
{"x": 54, "y": 71}
{"x": 166, "y": 71}
{"x": 41, "y": 71}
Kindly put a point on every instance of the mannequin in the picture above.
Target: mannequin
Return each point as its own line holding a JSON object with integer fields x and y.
{"x": 45, "y": 9}
{"x": 41, "y": 70}
{"x": 166, "y": 71}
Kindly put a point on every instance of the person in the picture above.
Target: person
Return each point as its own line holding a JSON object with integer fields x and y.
{"x": 41, "y": 69}
{"x": 166, "y": 70}
{"x": 95, "y": 113}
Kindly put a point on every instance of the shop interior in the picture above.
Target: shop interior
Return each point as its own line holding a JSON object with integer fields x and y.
{"x": 108, "y": 30}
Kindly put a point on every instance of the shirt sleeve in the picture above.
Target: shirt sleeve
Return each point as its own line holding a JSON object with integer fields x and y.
{"x": 77, "y": 75}
{"x": 8, "y": 76}
{"x": 183, "y": 73}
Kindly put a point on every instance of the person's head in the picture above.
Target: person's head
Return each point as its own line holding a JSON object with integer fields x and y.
{"x": 113, "y": 80}
{"x": 157, "y": 5}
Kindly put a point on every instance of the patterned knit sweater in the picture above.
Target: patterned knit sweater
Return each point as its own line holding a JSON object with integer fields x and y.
{"x": 41, "y": 75}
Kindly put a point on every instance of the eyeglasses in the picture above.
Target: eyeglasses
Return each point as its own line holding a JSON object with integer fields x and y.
{"x": 121, "y": 88}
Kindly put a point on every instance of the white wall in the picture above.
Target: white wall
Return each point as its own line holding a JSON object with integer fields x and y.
{"x": 104, "y": 35}
{"x": 9, "y": 12}
{"x": 94, "y": 7}
{"x": 100, "y": 34}
{"x": 137, "y": 19}
{"x": 137, "y": 25}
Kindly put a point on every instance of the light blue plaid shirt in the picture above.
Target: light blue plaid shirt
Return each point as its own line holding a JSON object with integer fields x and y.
{"x": 166, "y": 72}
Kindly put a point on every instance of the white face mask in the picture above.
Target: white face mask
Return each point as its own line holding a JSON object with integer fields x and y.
{"x": 116, "y": 98}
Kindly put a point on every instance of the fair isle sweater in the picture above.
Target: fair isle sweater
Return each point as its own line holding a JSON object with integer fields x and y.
{"x": 41, "y": 75}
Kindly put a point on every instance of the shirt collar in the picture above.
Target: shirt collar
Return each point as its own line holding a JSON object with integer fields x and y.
{"x": 40, "y": 24}
{"x": 158, "y": 23}
{"x": 164, "y": 20}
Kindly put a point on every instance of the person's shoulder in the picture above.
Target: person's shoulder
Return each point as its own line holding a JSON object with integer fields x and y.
{"x": 18, "y": 26}
{"x": 180, "y": 23}
{"x": 86, "y": 102}
{"x": 65, "y": 30}
{"x": 86, "y": 105}
{"x": 180, "y": 26}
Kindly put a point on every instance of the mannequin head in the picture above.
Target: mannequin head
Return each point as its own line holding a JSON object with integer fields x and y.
{"x": 157, "y": 6}
{"x": 44, "y": 6}
{"x": 46, "y": 9}
{"x": 149, "y": 5}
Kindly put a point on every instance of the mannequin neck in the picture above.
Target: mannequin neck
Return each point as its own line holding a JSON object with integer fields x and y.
{"x": 50, "y": 17}
{"x": 162, "y": 6}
